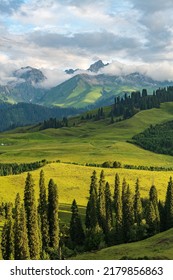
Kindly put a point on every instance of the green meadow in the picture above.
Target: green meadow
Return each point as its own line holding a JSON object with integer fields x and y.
{"x": 87, "y": 142}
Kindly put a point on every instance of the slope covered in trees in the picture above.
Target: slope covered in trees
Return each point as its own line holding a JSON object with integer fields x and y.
{"x": 32, "y": 231}
{"x": 158, "y": 138}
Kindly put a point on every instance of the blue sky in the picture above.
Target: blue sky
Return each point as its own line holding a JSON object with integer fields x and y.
{"x": 60, "y": 34}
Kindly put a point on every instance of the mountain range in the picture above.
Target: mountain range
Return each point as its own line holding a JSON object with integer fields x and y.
{"x": 84, "y": 89}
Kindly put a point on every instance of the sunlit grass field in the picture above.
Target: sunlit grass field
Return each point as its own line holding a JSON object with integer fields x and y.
{"x": 87, "y": 142}
{"x": 73, "y": 181}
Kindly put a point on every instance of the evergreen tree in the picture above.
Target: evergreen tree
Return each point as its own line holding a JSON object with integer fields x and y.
{"x": 102, "y": 202}
{"x": 137, "y": 204}
{"x": 108, "y": 206}
{"x": 151, "y": 218}
{"x": 53, "y": 214}
{"x": 154, "y": 199}
{"x": 23, "y": 241}
{"x": 7, "y": 239}
{"x": 76, "y": 230}
{"x": 42, "y": 210}
{"x": 91, "y": 219}
{"x": 16, "y": 227}
{"x": 169, "y": 205}
{"x": 118, "y": 209}
{"x": 31, "y": 218}
{"x": 128, "y": 214}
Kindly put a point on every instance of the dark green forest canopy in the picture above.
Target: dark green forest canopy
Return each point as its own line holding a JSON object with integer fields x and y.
{"x": 158, "y": 138}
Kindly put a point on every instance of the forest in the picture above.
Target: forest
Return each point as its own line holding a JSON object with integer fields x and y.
{"x": 33, "y": 230}
{"x": 156, "y": 138}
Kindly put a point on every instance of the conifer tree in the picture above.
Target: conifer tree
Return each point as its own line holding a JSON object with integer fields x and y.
{"x": 128, "y": 214}
{"x": 102, "y": 202}
{"x": 32, "y": 218}
{"x": 169, "y": 205}
{"x": 91, "y": 220}
{"x": 53, "y": 214}
{"x": 151, "y": 219}
{"x": 109, "y": 215}
{"x": 76, "y": 230}
{"x": 24, "y": 245}
{"x": 7, "y": 239}
{"x": 118, "y": 209}
{"x": 137, "y": 204}
{"x": 154, "y": 199}
{"x": 42, "y": 210}
{"x": 16, "y": 227}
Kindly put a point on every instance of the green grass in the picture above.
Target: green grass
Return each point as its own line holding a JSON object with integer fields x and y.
{"x": 88, "y": 142}
{"x": 92, "y": 142}
{"x": 156, "y": 247}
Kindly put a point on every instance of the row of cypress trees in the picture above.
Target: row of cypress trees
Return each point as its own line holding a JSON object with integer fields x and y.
{"x": 32, "y": 231}
{"x": 126, "y": 217}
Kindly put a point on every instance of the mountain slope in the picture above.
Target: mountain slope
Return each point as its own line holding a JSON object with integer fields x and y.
{"x": 26, "y": 113}
{"x": 85, "y": 90}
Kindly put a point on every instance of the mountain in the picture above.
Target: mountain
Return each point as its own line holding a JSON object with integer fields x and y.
{"x": 26, "y": 114}
{"x": 25, "y": 87}
{"x": 87, "y": 90}
{"x": 95, "y": 67}
{"x": 84, "y": 90}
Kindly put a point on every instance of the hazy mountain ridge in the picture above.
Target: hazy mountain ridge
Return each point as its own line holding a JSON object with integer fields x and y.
{"x": 91, "y": 88}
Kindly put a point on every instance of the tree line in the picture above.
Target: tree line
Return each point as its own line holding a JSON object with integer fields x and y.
{"x": 33, "y": 231}
{"x": 15, "y": 168}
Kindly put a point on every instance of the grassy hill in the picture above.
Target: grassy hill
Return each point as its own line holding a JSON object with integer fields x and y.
{"x": 156, "y": 247}
{"x": 88, "y": 141}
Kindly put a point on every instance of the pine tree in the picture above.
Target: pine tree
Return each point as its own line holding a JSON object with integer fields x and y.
{"x": 108, "y": 205}
{"x": 151, "y": 218}
{"x": 53, "y": 214}
{"x": 32, "y": 218}
{"x": 137, "y": 204}
{"x": 128, "y": 214}
{"x": 118, "y": 210}
{"x": 16, "y": 227}
{"x": 154, "y": 199}
{"x": 169, "y": 205}
{"x": 7, "y": 239}
{"x": 91, "y": 220}
{"x": 102, "y": 202}
{"x": 24, "y": 244}
{"x": 42, "y": 210}
{"x": 76, "y": 230}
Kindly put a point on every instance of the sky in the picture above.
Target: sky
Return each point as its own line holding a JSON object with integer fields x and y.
{"x": 54, "y": 35}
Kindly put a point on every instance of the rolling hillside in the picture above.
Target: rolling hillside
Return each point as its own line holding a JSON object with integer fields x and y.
{"x": 158, "y": 247}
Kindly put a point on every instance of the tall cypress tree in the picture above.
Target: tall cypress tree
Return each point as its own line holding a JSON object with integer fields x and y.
{"x": 108, "y": 205}
{"x": 91, "y": 218}
{"x": 32, "y": 218}
{"x": 151, "y": 219}
{"x": 154, "y": 199}
{"x": 42, "y": 210}
{"x": 169, "y": 205}
{"x": 137, "y": 204}
{"x": 53, "y": 214}
{"x": 7, "y": 239}
{"x": 118, "y": 210}
{"x": 128, "y": 214}
{"x": 24, "y": 243}
{"x": 102, "y": 202}
{"x": 76, "y": 230}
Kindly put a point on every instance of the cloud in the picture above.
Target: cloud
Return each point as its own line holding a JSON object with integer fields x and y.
{"x": 158, "y": 71}
{"x": 8, "y": 6}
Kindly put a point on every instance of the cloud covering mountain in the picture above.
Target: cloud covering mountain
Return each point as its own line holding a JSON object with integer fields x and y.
{"x": 57, "y": 35}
